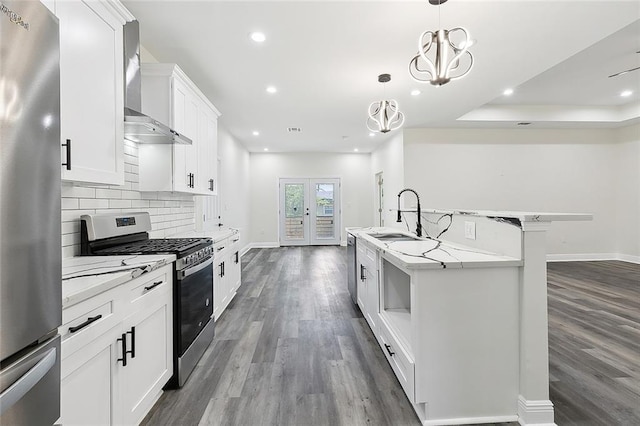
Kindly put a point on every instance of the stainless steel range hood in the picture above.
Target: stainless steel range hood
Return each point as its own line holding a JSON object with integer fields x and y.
{"x": 139, "y": 127}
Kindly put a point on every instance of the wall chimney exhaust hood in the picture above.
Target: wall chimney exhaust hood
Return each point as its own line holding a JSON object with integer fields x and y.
{"x": 139, "y": 127}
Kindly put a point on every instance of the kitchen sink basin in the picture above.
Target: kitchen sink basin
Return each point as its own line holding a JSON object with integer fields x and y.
{"x": 394, "y": 237}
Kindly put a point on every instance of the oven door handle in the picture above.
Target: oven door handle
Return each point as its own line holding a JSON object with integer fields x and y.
{"x": 199, "y": 267}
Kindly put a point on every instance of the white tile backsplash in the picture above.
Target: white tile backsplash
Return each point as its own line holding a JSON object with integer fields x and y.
{"x": 171, "y": 213}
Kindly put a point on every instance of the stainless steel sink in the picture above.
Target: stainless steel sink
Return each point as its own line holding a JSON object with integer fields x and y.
{"x": 394, "y": 237}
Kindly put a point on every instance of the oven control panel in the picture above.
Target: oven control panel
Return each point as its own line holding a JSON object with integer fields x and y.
{"x": 195, "y": 257}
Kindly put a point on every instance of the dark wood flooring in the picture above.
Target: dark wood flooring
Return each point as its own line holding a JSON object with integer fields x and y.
{"x": 291, "y": 349}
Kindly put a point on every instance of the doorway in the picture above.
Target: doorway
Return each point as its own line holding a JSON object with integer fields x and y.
{"x": 309, "y": 211}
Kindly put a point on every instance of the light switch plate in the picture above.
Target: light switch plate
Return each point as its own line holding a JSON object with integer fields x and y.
{"x": 470, "y": 230}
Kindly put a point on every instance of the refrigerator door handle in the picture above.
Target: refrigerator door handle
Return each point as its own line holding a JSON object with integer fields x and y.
{"x": 25, "y": 383}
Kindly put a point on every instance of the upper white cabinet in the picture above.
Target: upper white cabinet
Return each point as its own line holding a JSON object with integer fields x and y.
{"x": 91, "y": 90}
{"x": 169, "y": 96}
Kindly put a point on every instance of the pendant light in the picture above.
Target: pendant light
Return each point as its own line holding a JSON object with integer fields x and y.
{"x": 442, "y": 55}
{"x": 384, "y": 115}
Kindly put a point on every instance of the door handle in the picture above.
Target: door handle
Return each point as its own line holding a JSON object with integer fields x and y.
{"x": 123, "y": 339}
{"x": 68, "y": 163}
{"x": 301, "y": 222}
{"x": 26, "y": 382}
{"x": 388, "y": 347}
{"x": 133, "y": 342}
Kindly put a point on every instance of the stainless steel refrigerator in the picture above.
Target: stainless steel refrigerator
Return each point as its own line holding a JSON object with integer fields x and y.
{"x": 30, "y": 247}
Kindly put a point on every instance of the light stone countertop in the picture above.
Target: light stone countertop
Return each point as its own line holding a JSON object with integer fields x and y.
{"x": 521, "y": 216}
{"x": 427, "y": 253}
{"x": 85, "y": 276}
{"x": 216, "y": 235}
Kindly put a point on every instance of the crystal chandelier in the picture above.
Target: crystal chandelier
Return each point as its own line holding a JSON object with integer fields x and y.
{"x": 384, "y": 115}
{"x": 451, "y": 59}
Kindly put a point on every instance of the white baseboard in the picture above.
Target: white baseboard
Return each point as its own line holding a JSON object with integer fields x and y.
{"x": 538, "y": 413}
{"x": 591, "y": 257}
{"x": 470, "y": 420}
{"x": 266, "y": 244}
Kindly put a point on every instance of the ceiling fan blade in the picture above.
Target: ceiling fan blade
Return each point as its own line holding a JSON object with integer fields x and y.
{"x": 624, "y": 72}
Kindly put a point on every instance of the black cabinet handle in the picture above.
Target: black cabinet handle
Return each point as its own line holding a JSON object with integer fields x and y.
{"x": 68, "y": 163}
{"x": 221, "y": 274}
{"x": 388, "y": 347}
{"x": 123, "y": 339}
{"x": 220, "y": 248}
{"x": 362, "y": 275}
{"x": 237, "y": 259}
{"x": 133, "y": 342}
{"x": 84, "y": 324}
{"x": 210, "y": 184}
{"x": 154, "y": 285}
{"x": 223, "y": 269}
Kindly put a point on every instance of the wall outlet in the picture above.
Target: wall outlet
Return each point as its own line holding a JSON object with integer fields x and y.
{"x": 470, "y": 230}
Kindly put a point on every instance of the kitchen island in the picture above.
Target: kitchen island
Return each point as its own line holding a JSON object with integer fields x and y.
{"x": 462, "y": 321}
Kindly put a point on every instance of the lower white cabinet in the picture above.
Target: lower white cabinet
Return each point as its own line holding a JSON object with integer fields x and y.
{"x": 117, "y": 352}
{"x": 227, "y": 276}
{"x": 368, "y": 284}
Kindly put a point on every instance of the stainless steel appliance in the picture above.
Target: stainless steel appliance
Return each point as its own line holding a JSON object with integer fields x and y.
{"x": 30, "y": 247}
{"x": 193, "y": 326}
{"x": 352, "y": 278}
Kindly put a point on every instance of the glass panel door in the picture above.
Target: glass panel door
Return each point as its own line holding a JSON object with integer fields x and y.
{"x": 309, "y": 212}
{"x": 325, "y": 225}
{"x": 294, "y": 215}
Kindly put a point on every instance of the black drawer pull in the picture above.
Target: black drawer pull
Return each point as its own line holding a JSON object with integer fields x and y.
{"x": 68, "y": 163}
{"x": 391, "y": 353}
{"x": 133, "y": 342}
{"x": 154, "y": 285}
{"x": 362, "y": 274}
{"x": 123, "y": 339}
{"x": 84, "y": 324}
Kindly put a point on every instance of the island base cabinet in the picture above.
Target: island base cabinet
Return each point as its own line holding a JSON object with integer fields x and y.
{"x": 402, "y": 364}
{"x": 227, "y": 276}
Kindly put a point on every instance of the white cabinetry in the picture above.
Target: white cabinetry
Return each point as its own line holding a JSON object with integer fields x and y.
{"x": 91, "y": 90}
{"x": 117, "y": 352}
{"x": 170, "y": 97}
{"x": 368, "y": 283}
{"x": 227, "y": 277}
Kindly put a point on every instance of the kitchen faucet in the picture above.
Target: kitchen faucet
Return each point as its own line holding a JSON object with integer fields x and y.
{"x": 419, "y": 225}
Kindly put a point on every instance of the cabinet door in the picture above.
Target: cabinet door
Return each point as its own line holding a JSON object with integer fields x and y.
{"x": 373, "y": 298}
{"x": 185, "y": 121}
{"x": 88, "y": 385}
{"x": 149, "y": 365}
{"x": 91, "y": 94}
{"x": 208, "y": 148}
{"x": 235, "y": 266}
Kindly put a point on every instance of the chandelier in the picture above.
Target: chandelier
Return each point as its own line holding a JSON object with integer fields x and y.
{"x": 451, "y": 59}
{"x": 384, "y": 115}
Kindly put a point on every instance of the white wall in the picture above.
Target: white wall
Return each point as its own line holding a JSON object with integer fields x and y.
{"x": 525, "y": 169}
{"x": 628, "y": 192}
{"x": 389, "y": 159}
{"x": 354, "y": 170}
{"x": 233, "y": 185}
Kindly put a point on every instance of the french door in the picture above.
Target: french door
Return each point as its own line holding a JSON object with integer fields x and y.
{"x": 309, "y": 212}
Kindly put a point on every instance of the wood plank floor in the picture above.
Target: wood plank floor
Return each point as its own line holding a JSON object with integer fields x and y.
{"x": 594, "y": 342}
{"x": 291, "y": 349}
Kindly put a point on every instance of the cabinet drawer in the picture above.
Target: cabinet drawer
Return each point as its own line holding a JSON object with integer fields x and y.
{"x": 402, "y": 364}
{"x": 221, "y": 248}
{"x": 84, "y": 321}
{"x": 149, "y": 289}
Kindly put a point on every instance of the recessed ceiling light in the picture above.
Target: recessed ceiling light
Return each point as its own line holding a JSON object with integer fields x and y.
{"x": 355, "y": 149}
{"x": 266, "y": 149}
{"x": 271, "y": 89}
{"x": 372, "y": 134}
{"x": 626, "y": 93}
{"x": 415, "y": 92}
{"x": 508, "y": 92}
{"x": 258, "y": 37}
{"x": 256, "y": 133}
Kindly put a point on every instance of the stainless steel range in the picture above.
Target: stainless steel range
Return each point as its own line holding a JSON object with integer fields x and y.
{"x": 193, "y": 327}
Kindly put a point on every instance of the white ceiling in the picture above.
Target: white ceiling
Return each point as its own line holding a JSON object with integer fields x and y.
{"x": 324, "y": 57}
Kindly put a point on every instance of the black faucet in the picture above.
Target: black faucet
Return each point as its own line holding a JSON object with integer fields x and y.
{"x": 419, "y": 226}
